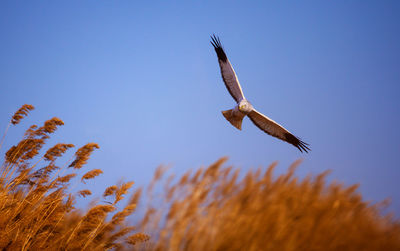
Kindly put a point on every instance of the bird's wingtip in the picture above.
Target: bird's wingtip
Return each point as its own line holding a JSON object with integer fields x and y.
{"x": 299, "y": 144}
{"x": 303, "y": 146}
{"x": 216, "y": 43}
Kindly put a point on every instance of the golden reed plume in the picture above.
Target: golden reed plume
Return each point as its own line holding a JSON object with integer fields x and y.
{"x": 21, "y": 113}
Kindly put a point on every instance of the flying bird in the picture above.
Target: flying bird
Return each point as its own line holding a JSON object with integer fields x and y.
{"x": 235, "y": 116}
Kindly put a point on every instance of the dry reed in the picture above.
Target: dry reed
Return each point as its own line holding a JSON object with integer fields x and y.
{"x": 36, "y": 209}
{"x": 91, "y": 174}
{"x": 214, "y": 209}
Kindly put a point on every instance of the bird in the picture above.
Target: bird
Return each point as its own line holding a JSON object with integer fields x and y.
{"x": 245, "y": 108}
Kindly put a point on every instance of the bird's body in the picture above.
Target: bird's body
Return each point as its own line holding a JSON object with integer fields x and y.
{"x": 244, "y": 108}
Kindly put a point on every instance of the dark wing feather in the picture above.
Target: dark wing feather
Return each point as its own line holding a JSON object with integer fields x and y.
{"x": 228, "y": 74}
{"x": 274, "y": 129}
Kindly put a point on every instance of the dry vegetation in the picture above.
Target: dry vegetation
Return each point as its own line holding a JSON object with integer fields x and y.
{"x": 36, "y": 209}
{"x": 210, "y": 208}
{"x": 214, "y": 209}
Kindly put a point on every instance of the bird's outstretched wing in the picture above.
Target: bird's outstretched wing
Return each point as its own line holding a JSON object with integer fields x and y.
{"x": 274, "y": 129}
{"x": 228, "y": 74}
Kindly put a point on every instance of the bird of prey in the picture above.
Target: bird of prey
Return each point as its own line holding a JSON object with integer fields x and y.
{"x": 235, "y": 116}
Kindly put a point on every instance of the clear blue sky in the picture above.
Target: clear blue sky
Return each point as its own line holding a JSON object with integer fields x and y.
{"x": 143, "y": 81}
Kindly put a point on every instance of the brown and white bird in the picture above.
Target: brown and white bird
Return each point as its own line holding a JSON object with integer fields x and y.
{"x": 235, "y": 116}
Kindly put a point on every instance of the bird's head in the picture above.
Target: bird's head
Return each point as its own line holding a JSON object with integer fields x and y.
{"x": 245, "y": 106}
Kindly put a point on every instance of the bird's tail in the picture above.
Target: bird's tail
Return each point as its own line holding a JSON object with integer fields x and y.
{"x": 234, "y": 117}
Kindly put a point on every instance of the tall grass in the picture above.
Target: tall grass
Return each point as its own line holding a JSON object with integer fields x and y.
{"x": 213, "y": 208}
{"x": 37, "y": 210}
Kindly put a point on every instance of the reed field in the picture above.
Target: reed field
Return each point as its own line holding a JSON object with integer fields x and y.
{"x": 214, "y": 208}
{"x": 37, "y": 210}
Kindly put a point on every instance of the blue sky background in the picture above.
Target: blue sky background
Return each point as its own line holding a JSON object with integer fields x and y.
{"x": 142, "y": 80}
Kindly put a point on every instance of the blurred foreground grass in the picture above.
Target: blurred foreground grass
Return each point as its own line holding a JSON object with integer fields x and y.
{"x": 205, "y": 209}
